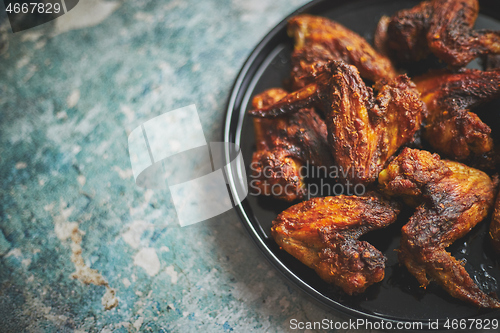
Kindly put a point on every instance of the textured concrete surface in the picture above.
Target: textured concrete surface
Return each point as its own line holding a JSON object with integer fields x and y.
{"x": 82, "y": 248}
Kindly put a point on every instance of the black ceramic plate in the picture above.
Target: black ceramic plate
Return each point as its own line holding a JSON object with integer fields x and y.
{"x": 398, "y": 297}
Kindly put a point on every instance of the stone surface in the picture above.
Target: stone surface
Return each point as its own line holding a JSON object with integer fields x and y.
{"x": 80, "y": 236}
{"x": 4, "y": 244}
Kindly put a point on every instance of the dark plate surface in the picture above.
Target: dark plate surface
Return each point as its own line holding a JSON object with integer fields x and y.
{"x": 398, "y": 297}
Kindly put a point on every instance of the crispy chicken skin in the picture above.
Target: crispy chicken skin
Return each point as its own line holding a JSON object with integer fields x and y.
{"x": 319, "y": 40}
{"x": 452, "y": 199}
{"x": 495, "y": 226}
{"x": 408, "y": 174}
{"x": 380, "y": 36}
{"x": 284, "y": 144}
{"x": 450, "y": 127}
{"x": 441, "y": 27}
{"x": 363, "y": 130}
{"x": 323, "y": 234}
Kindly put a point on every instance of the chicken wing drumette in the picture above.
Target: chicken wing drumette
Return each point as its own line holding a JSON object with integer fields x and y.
{"x": 284, "y": 145}
{"x": 319, "y": 40}
{"x": 441, "y": 27}
{"x": 452, "y": 199}
{"x": 323, "y": 234}
{"x": 495, "y": 227}
{"x": 363, "y": 130}
{"x": 450, "y": 127}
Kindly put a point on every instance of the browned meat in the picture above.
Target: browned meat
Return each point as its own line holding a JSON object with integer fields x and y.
{"x": 451, "y": 128}
{"x": 495, "y": 227}
{"x": 323, "y": 234}
{"x": 319, "y": 40}
{"x": 380, "y": 37}
{"x": 284, "y": 144}
{"x": 452, "y": 199}
{"x": 363, "y": 130}
{"x": 441, "y": 27}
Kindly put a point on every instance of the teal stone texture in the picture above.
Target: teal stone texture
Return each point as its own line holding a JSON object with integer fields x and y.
{"x": 82, "y": 248}
{"x": 4, "y": 244}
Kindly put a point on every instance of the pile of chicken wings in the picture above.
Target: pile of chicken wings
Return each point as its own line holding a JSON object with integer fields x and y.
{"x": 412, "y": 141}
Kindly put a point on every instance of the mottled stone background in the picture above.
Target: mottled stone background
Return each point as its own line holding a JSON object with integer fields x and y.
{"x": 70, "y": 92}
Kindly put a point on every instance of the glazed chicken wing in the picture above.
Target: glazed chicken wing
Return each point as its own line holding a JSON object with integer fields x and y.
{"x": 323, "y": 234}
{"x": 450, "y": 127}
{"x": 363, "y": 130}
{"x": 319, "y": 40}
{"x": 495, "y": 227}
{"x": 441, "y": 27}
{"x": 452, "y": 199}
{"x": 284, "y": 144}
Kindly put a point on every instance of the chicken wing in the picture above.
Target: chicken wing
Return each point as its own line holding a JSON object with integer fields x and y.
{"x": 441, "y": 27}
{"x": 323, "y": 234}
{"x": 284, "y": 144}
{"x": 363, "y": 130}
{"x": 452, "y": 199}
{"x": 495, "y": 227}
{"x": 450, "y": 127}
{"x": 319, "y": 40}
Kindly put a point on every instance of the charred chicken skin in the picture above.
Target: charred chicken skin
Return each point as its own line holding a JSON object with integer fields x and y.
{"x": 323, "y": 234}
{"x": 284, "y": 144}
{"x": 450, "y": 127}
{"x": 441, "y": 27}
{"x": 452, "y": 199}
{"x": 319, "y": 40}
{"x": 363, "y": 130}
{"x": 495, "y": 226}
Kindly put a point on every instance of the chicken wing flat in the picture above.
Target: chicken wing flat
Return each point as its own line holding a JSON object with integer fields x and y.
{"x": 319, "y": 40}
{"x": 441, "y": 27}
{"x": 323, "y": 234}
{"x": 450, "y": 127}
{"x": 363, "y": 130}
{"x": 284, "y": 144}
{"x": 452, "y": 199}
{"x": 495, "y": 226}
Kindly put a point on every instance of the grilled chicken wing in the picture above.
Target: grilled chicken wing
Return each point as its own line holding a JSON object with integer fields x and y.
{"x": 451, "y": 128}
{"x": 284, "y": 144}
{"x": 319, "y": 40}
{"x": 452, "y": 199}
{"x": 495, "y": 226}
{"x": 363, "y": 130}
{"x": 441, "y": 27}
{"x": 323, "y": 234}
